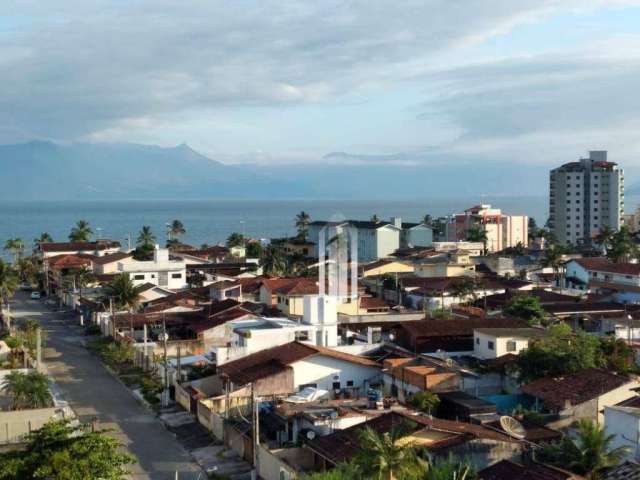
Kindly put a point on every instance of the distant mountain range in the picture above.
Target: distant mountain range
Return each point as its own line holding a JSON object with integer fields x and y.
{"x": 47, "y": 170}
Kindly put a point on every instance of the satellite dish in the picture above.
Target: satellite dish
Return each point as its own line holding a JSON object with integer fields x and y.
{"x": 513, "y": 427}
{"x": 310, "y": 435}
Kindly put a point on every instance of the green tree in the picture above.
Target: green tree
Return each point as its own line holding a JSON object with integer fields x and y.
{"x": 43, "y": 238}
{"x": 176, "y": 228}
{"x": 118, "y": 354}
{"x": 81, "y": 232}
{"x": 235, "y": 240}
{"x": 146, "y": 238}
{"x": 345, "y": 471}
{"x": 589, "y": 453}
{"x": 526, "y": 307}
{"x": 16, "y": 247}
{"x": 383, "y": 457}
{"x": 448, "y": 469}
{"x": 83, "y": 277}
{"x": 560, "y": 353}
{"x": 375, "y": 219}
{"x": 605, "y": 236}
{"x": 274, "y": 262}
{"x": 9, "y": 283}
{"x": 62, "y": 452}
{"x": 427, "y": 219}
{"x": 622, "y": 248}
{"x": 27, "y": 390}
{"x": 465, "y": 289}
{"x": 254, "y": 250}
{"x": 28, "y": 270}
{"x": 478, "y": 234}
{"x": 425, "y": 401}
{"x": 618, "y": 355}
{"x": 124, "y": 292}
{"x": 302, "y": 224}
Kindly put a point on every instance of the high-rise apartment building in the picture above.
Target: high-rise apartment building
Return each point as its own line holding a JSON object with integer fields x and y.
{"x": 584, "y": 197}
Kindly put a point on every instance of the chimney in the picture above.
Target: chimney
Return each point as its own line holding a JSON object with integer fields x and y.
{"x": 160, "y": 255}
{"x": 396, "y": 221}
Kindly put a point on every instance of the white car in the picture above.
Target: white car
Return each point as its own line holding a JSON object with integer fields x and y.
{"x": 35, "y": 295}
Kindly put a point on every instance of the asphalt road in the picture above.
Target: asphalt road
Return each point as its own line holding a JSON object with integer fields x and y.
{"x": 92, "y": 392}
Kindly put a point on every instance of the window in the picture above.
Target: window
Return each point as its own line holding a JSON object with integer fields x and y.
{"x": 511, "y": 346}
{"x": 138, "y": 277}
{"x": 302, "y": 336}
{"x": 349, "y": 383}
{"x": 490, "y": 345}
{"x": 176, "y": 275}
{"x": 477, "y": 340}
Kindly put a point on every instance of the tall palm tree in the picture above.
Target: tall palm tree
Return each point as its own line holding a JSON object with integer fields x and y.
{"x": 302, "y": 224}
{"x": 589, "y": 453}
{"x": 384, "y": 457}
{"x": 81, "y": 232}
{"x": 146, "y": 237}
{"x": 27, "y": 270}
{"x": 235, "y": 240}
{"x": 553, "y": 258}
{"x": 123, "y": 292}
{"x": 16, "y": 247}
{"x": 27, "y": 390}
{"x": 176, "y": 228}
{"x": 43, "y": 238}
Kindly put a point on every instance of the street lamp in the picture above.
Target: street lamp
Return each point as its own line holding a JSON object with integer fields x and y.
{"x": 164, "y": 337}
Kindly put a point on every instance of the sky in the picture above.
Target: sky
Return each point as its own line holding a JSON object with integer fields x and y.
{"x": 271, "y": 82}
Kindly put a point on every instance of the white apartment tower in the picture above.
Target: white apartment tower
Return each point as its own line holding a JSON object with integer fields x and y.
{"x": 585, "y": 196}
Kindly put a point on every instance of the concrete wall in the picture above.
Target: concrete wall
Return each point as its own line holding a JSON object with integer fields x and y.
{"x": 481, "y": 344}
{"x": 15, "y": 425}
{"x": 625, "y": 425}
{"x": 320, "y": 370}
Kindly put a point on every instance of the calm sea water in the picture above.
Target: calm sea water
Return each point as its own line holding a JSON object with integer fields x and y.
{"x": 211, "y": 221}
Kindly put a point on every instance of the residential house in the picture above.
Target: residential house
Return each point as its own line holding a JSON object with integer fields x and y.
{"x": 287, "y": 294}
{"x": 600, "y": 273}
{"x": 502, "y": 231}
{"x": 623, "y": 422}
{"x": 447, "y": 264}
{"x": 162, "y": 271}
{"x": 454, "y": 336}
{"x": 509, "y": 470}
{"x": 414, "y": 234}
{"x": 491, "y": 343}
{"x": 404, "y": 377}
{"x": 288, "y": 368}
{"x": 629, "y": 470}
{"x": 442, "y": 438}
{"x": 97, "y": 248}
{"x": 581, "y": 395}
{"x": 376, "y": 240}
{"x": 385, "y": 267}
{"x": 295, "y": 246}
{"x": 475, "y": 249}
{"x": 108, "y": 264}
{"x": 60, "y": 269}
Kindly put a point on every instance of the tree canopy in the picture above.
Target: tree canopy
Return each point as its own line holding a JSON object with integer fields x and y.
{"x": 81, "y": 232}
{"x": 27, "y": 390}
{"x": 60, "y": 451}
{"x": 526, "y": 307}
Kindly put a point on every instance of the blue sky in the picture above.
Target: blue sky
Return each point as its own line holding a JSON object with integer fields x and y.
{"x": 539, "y": 81}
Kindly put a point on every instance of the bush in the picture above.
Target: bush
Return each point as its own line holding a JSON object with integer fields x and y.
{"x": 151, "y": 387}
{"x": 92, "y": 329}
{"x": 12, "y": 342}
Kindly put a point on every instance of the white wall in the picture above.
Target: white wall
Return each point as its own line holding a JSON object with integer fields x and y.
{"x": 481, "y": 345}
{"x": 320, "y": 369}
{"x": 626, "y": 428}
{"x": 387, "y": 241}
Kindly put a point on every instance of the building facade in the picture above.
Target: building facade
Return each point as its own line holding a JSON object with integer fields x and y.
{"x": 584, "y": 197}
{"x": 502, "y": 231}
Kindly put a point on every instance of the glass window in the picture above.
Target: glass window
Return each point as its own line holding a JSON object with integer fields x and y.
{"x": 176, "y": 275}
{"x": 490, "y": 345}
{"x": 511, "y": 346}
{"x": 138, "y": 277}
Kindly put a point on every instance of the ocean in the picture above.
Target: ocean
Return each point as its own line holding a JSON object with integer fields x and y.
{"x": 211, "y": 221}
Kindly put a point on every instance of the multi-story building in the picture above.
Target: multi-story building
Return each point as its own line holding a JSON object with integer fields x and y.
{"x": 584, "y": 197}
{"x": 502, "y": 231}
{"x": 162, "y": 271}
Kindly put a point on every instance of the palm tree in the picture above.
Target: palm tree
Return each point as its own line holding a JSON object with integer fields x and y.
{"x": 9, "y": 283}
{"x": 622, "y": 247}
{"x": 27, "y": 390}
{"x": 464, "y": 288}
{"x": 427, "y": 219}
{"x": 273, "y": 262}
{"x": 176, "y": 228}
{"x": 375, "y": 219}
{"x": 235, "y": 240}
{"x": 589, "y": 453}
{"x": 43, "y": 238}
{"x": 81, "y": 232}
{"x": 605, "y": 236}
{"x": 16, "y": 247}
{"x": 123, "y": 292}
{"x": 27, "y": 270}
{"x": 302, "y": 224}
{"x": 384, "y": 457}
{"x": 477, "y": 234}
{"x": 448, "y": 469}
{"x": 146, "y": 238}
{"x": 553, "y": 258}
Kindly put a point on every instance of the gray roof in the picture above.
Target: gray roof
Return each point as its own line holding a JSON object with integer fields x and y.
{"x": 627, "y": 471}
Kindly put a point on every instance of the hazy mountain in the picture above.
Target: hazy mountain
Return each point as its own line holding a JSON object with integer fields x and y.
{"x": 46, "y": 170}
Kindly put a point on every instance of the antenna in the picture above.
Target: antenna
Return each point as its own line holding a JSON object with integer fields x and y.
{"x": 513, "y": 427}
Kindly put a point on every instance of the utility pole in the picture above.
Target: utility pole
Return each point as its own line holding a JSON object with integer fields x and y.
{"x": 165, "y": 337}
{"x": 179, "y": 367}
{"x": 255, "y": 424}
{"x": 38, "y": 350}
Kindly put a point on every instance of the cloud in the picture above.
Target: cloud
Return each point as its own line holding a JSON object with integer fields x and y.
{"x": 79, "y": 69}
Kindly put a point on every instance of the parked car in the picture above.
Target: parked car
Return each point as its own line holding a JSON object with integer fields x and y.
{"x": 26, "y": 287}
{"x": 35, "y": 295}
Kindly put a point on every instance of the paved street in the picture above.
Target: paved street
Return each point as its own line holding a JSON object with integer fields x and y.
{"x": 93, "y": 392}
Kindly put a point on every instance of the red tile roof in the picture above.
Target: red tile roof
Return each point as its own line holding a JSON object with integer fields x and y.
{"x": 576, "y": 388}
{"x": 507, "y": 470}
{"x": 273, "y": 360}
{"x": 457, "y": 327}
{"x": 603, "y": 264}
{"x": 291, "y": 286}
{"x": 114, "y": 257}
{"x": 72, "y": 260}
